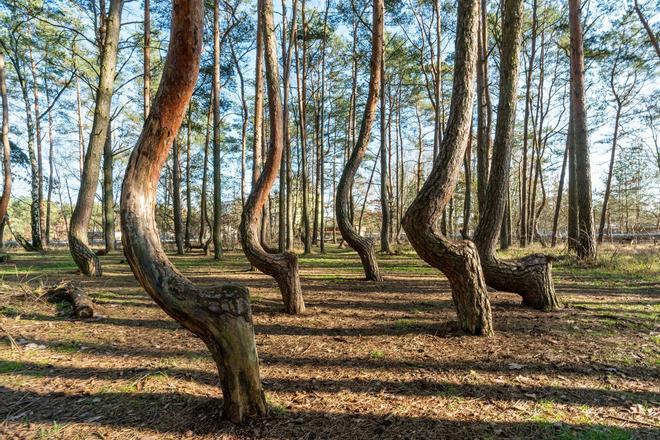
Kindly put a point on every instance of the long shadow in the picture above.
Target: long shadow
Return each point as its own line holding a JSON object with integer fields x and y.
{"x": 177, "y": 413}
{"x": 418, "y": 387}
{"x": 143, "y": 323}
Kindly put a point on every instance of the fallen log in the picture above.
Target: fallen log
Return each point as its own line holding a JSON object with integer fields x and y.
{"x": 75, "y": 295}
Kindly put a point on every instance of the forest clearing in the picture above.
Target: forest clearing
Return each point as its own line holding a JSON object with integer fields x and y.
{"x": 367, "y": 360}
{"x": 321, "y": 219}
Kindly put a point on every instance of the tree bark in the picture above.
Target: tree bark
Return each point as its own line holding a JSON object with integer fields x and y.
{"x": 384, "y": 165}
{"x": 283, "y": 266}
{"x": 176, "y": 197}
{"x": 587, "y": 244}
{"x": 458, "y": 260}
{"x": 483, "y": 110}
{"x": 146, "y": 91}
{"x": 186, "y": 238}
{"x": 6, "y": 149}
{"x": 83, "y": 256}
{"x": 362, "y": 245}
{"x": 221, "y": 315}
{"x": 301, "y": 71}
{"x": 531, "y": 276}
{"x": 108, "y": 194}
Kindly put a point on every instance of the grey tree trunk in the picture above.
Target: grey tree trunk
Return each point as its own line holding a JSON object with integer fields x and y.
{"x": 217, "y": 153}
{"x": 176, "y": 197}
{"x": 6, "y": 149}
{"x": 83, "y": 256}
{"x": 108, "y": 194}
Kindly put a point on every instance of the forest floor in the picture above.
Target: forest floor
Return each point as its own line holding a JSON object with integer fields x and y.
{"x": 368, "y": 360}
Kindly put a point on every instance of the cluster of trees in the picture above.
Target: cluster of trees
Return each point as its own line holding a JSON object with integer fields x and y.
{"x": 465, "y": 160}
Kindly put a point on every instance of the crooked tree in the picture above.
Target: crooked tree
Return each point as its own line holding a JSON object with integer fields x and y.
{"x": 364, "y": 246}
{"x": 281, "y": 266}
{"x": 457, "y": 259}
{"x": 221, "y": 315}
{"x": 83, "y": 256}
{"x": 531, "y": 276}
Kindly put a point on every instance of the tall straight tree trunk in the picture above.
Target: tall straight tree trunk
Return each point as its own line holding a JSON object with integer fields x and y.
{"x": 217, "y": 153}
{"x": 84, "y": 257}
{"x": 560, "y": 194}
{"x": 220, "y": 316}
{"x": 301, "y": 81}
{"x": 322, "y": 114}
{"x": 146, "y": 68}
{"x": 467, "y": 199}
{"x": 186, "y": 238}
{"x": 608, "y": 185}
{"x": 528, "y": 107}
{"x": 384, "y": 165}
{"x": 458, "y": 260}
{"x": 283, "y": 266}
{"x": 176, "y": 197}
{"x": 108, "y": 193}
{"x": 203, "y": 208}
{"x": 586, "y": 249}
{"x": 483, "y": 109}
{"x": 40, "y": 162}
{"x": 81, "y": 136}
{"x": 362, "y": 245}
{"x": 35, "y": 224}
{"x": 51, "y": 167}
{"x": 573, "y": 213}
{"x": 6, "y": 150}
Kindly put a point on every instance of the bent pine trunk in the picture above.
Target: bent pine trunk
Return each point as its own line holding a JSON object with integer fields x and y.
{"x": 281, "y": 266}
{"x": 530, "y": 277}
{"x": 458, "y": 260}
{"x": 220, "y": 316}
{"x": 364, "y": 246}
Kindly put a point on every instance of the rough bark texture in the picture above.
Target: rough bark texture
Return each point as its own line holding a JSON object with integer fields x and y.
{"x": 458, "y": 260}
{"x": 586, "y": 248}
{"x": 108, "y": 195}
{"x": 301, "y": 79}
{"x": 220, "y": 316}
{"x": 6, "y": 149}
{"x": 531, "y": 276}
{"x": 362, "y": 245}
{"x": 83, "y": 307}
{"x": 384, "y": 166}
{"x": 176, "y": 197}
{"x": 281, "y": 266}
{"x": 83, "y": 256}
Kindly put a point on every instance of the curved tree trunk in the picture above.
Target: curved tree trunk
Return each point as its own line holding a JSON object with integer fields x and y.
{"x": 283, "y": 266}
{"x": 6, "y": 149}
{"x": 221, "y": 315}
{"x": 530, "y": 277}
{"x": 458, "y": 260}
{"x": 362, "y": 245}
{"x": 84, "y": 257}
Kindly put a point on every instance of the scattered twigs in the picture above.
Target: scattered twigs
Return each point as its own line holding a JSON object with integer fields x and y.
{"x": 12, "y": 342}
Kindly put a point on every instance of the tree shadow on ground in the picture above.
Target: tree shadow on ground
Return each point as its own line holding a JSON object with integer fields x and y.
{"x": 178, "y": 413}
